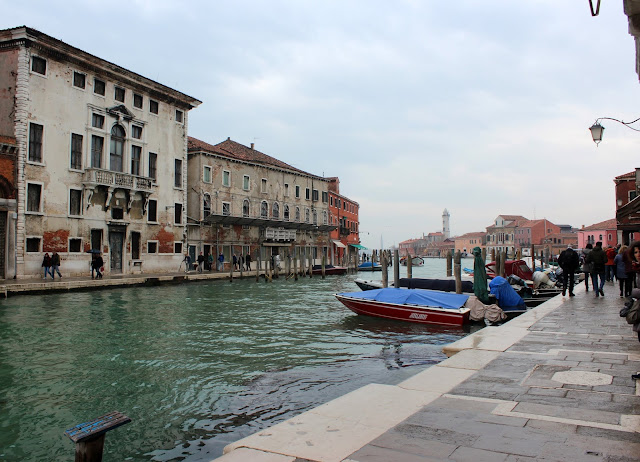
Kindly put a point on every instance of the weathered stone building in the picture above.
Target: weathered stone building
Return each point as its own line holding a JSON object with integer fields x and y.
{"x": 242, "y": 201}
{"x": 99, "y": 160}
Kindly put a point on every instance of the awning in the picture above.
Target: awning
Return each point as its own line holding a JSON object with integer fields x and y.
{"x": 358, "y": 246}
{"x": 339, "y": 244}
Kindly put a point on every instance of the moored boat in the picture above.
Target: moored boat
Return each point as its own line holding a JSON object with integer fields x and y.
{"x": 421, "y": 306}
{"x": 369, "y": 266}
{"x": 415, "y": 261}
{"x": 328, "y": 269}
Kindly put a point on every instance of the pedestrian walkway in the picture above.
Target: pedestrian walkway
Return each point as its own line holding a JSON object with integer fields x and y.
{"x": 12, "y": 287}
{"x": 553, "y": 384}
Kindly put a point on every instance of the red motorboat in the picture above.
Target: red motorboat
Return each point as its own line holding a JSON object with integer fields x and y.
{"x": 511, "y": 267}
{"x": 328, "y": 269}
{"x": 422, "y": 306}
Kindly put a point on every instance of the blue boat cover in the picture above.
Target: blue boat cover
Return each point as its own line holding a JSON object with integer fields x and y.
{"x": 368, "y": 264}
{"x": 412, "y": 297}
{"x": 506, "y": 295}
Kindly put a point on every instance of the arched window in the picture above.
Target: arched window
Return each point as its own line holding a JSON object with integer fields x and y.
{"x": 117, "y": 148}
{"x": 306, "y": 216}
{"x": 206, "y": 206}
{"x": 275, "y": 210}
{"x": 264, "y": 210}
{"x": 286, "y": 213}
{"x": 298, "y": 214}
{"x": 325, "y": 219}
{"x": 245, "y": 208}
{"x": 315, "y": 217}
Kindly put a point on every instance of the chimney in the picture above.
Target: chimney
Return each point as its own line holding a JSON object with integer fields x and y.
{"x": 252, "y": 145}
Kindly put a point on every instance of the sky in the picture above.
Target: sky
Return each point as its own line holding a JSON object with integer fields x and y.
{"x": 479, "y": 107}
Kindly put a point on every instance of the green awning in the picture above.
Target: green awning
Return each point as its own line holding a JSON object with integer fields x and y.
{"x": 358, "y": 246}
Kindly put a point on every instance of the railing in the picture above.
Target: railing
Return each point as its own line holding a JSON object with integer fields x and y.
{"x": 101, "y": 177}
{"x": 280, "y": 234}
{"x": 344, "y": 231}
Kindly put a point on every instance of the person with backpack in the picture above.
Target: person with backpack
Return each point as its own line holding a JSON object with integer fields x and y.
{"x": 598, "y": 259}
{"x": 586, "y": 267}
{"x": 569, "y": 261}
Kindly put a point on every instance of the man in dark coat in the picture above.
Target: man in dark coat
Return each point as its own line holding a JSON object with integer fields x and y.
{"x": 599, "y": 260}
{"x": 569, "y": 261}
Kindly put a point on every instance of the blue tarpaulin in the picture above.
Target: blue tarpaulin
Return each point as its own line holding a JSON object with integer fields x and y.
{"x": 506, "y": 295}
{"x": 412, "y": 296}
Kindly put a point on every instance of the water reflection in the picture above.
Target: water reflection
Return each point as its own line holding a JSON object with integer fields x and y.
{"x": 195, "y": 366}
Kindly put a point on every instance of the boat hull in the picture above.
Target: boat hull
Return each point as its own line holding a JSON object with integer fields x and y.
{"x": 329, "y": 271}
{"x": 423, "y": 315}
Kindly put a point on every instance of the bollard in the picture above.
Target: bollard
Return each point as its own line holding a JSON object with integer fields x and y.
{"x": 89, "y": 436}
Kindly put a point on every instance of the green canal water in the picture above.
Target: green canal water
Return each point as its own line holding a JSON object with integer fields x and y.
{"x": 195, "y": 366}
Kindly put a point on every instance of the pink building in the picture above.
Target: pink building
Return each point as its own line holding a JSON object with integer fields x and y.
{"x": 605, "y": 232}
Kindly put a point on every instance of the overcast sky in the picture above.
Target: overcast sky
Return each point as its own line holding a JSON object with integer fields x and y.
{"x": 479, "y": 107}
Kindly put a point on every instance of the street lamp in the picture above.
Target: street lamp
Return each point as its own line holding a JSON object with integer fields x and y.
{"x": 597, "y": 129}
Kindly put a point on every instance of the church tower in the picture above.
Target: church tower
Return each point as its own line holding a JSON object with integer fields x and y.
{"x": 445, "y": 224}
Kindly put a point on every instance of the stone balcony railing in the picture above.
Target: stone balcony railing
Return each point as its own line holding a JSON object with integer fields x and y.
{"x": 99, "y": 177}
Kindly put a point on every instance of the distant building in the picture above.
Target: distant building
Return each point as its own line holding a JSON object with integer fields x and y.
{"x": 468, "y": 241}
{"x": 501, "y": 234}
{"x": 445, "y": 224}
{"x": 532, "y": 232}
{"x": 605, "y": 232}
{"x": 344, "y": 214}
{"x": 555, "y": 243}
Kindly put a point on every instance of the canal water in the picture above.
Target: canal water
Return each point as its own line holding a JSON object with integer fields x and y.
{"x": 196, "y": 366}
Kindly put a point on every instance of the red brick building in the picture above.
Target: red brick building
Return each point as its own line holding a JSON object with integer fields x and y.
{"x": 343, "y": 213}
{"x": 532, "y": 232}
{"x": 627, "y": 206}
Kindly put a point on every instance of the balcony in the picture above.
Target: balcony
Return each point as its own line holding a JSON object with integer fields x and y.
{"x": 98, "y": 177}
{"x": 344, "y": 231}
{"x": 263, "y": 222}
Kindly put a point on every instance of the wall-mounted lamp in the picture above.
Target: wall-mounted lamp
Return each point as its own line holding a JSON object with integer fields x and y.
{"x": 597, "y": 129}
{"x": 595, "y": 12}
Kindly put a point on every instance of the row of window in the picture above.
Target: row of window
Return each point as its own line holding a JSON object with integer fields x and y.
{"x": 97, "y": 160}
{"x": 348, "y": 206}
{"x": 309, "y": 216}
{"x": 39, "y": 66}
{"x": 310, "y": 194}
{"x": 74, "y": 245}
{"x": 34, "y": 205}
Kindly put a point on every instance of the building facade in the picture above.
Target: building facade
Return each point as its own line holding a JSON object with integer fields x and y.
{"x": 627, "y": 187}
{"x": 532, "y": 232}
{"x": 344, "y": 213}
{"x": 604, "y": 232}
{"x": 501, "y": 234}
{"x": 468, "y": 241}
{"x": 99, "y": 160}
{"x": 242, "y": 201}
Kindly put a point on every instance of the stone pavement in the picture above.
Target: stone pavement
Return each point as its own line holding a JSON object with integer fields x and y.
{"x": 11, "y": 287}
{"x": 553, "y": 384}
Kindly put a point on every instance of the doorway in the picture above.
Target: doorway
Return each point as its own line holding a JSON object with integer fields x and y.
{"x": 116, "y": 241}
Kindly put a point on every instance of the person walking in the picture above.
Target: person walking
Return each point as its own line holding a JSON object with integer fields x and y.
{"x": 586, "y": 267}
{"x": 234, "y": 260}
{"x": 569, "y": 261}
{"x": 610, "y": 267}
{"x": 220, "y": 261}
{"x": 200, "y": 262}
{"x": 622, "y": 266}
{"x": 247, "y": 260}
{"x": 210, "y": 261}
{"x": 599, "y": 259}
{"x": 96, "y": 266}
{"x": 46, "y": 264}
{"x": 55, "y": 265}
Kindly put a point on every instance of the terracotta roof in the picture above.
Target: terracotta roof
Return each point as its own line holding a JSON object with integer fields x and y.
{"x": 630, "y": 175}
{"x": 513, "y": 217}
{"x": 474, "y": 234}
{"x": 607, "y": 224}
{"x": 231, "y": 149}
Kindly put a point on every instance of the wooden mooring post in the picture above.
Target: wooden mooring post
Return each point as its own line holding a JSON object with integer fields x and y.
{"x": 89, "y": 436}
{"x": 324, "y": 262}
{"x": 396, "y": 268}
{"x": 295, "y": 268}
{"x": 457, "y": 271}
{"x": 385, "y": 274}
{"x": 258, "y": 263}
{"x": 449, "y": 261}
{"x": 409, "y": 266}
